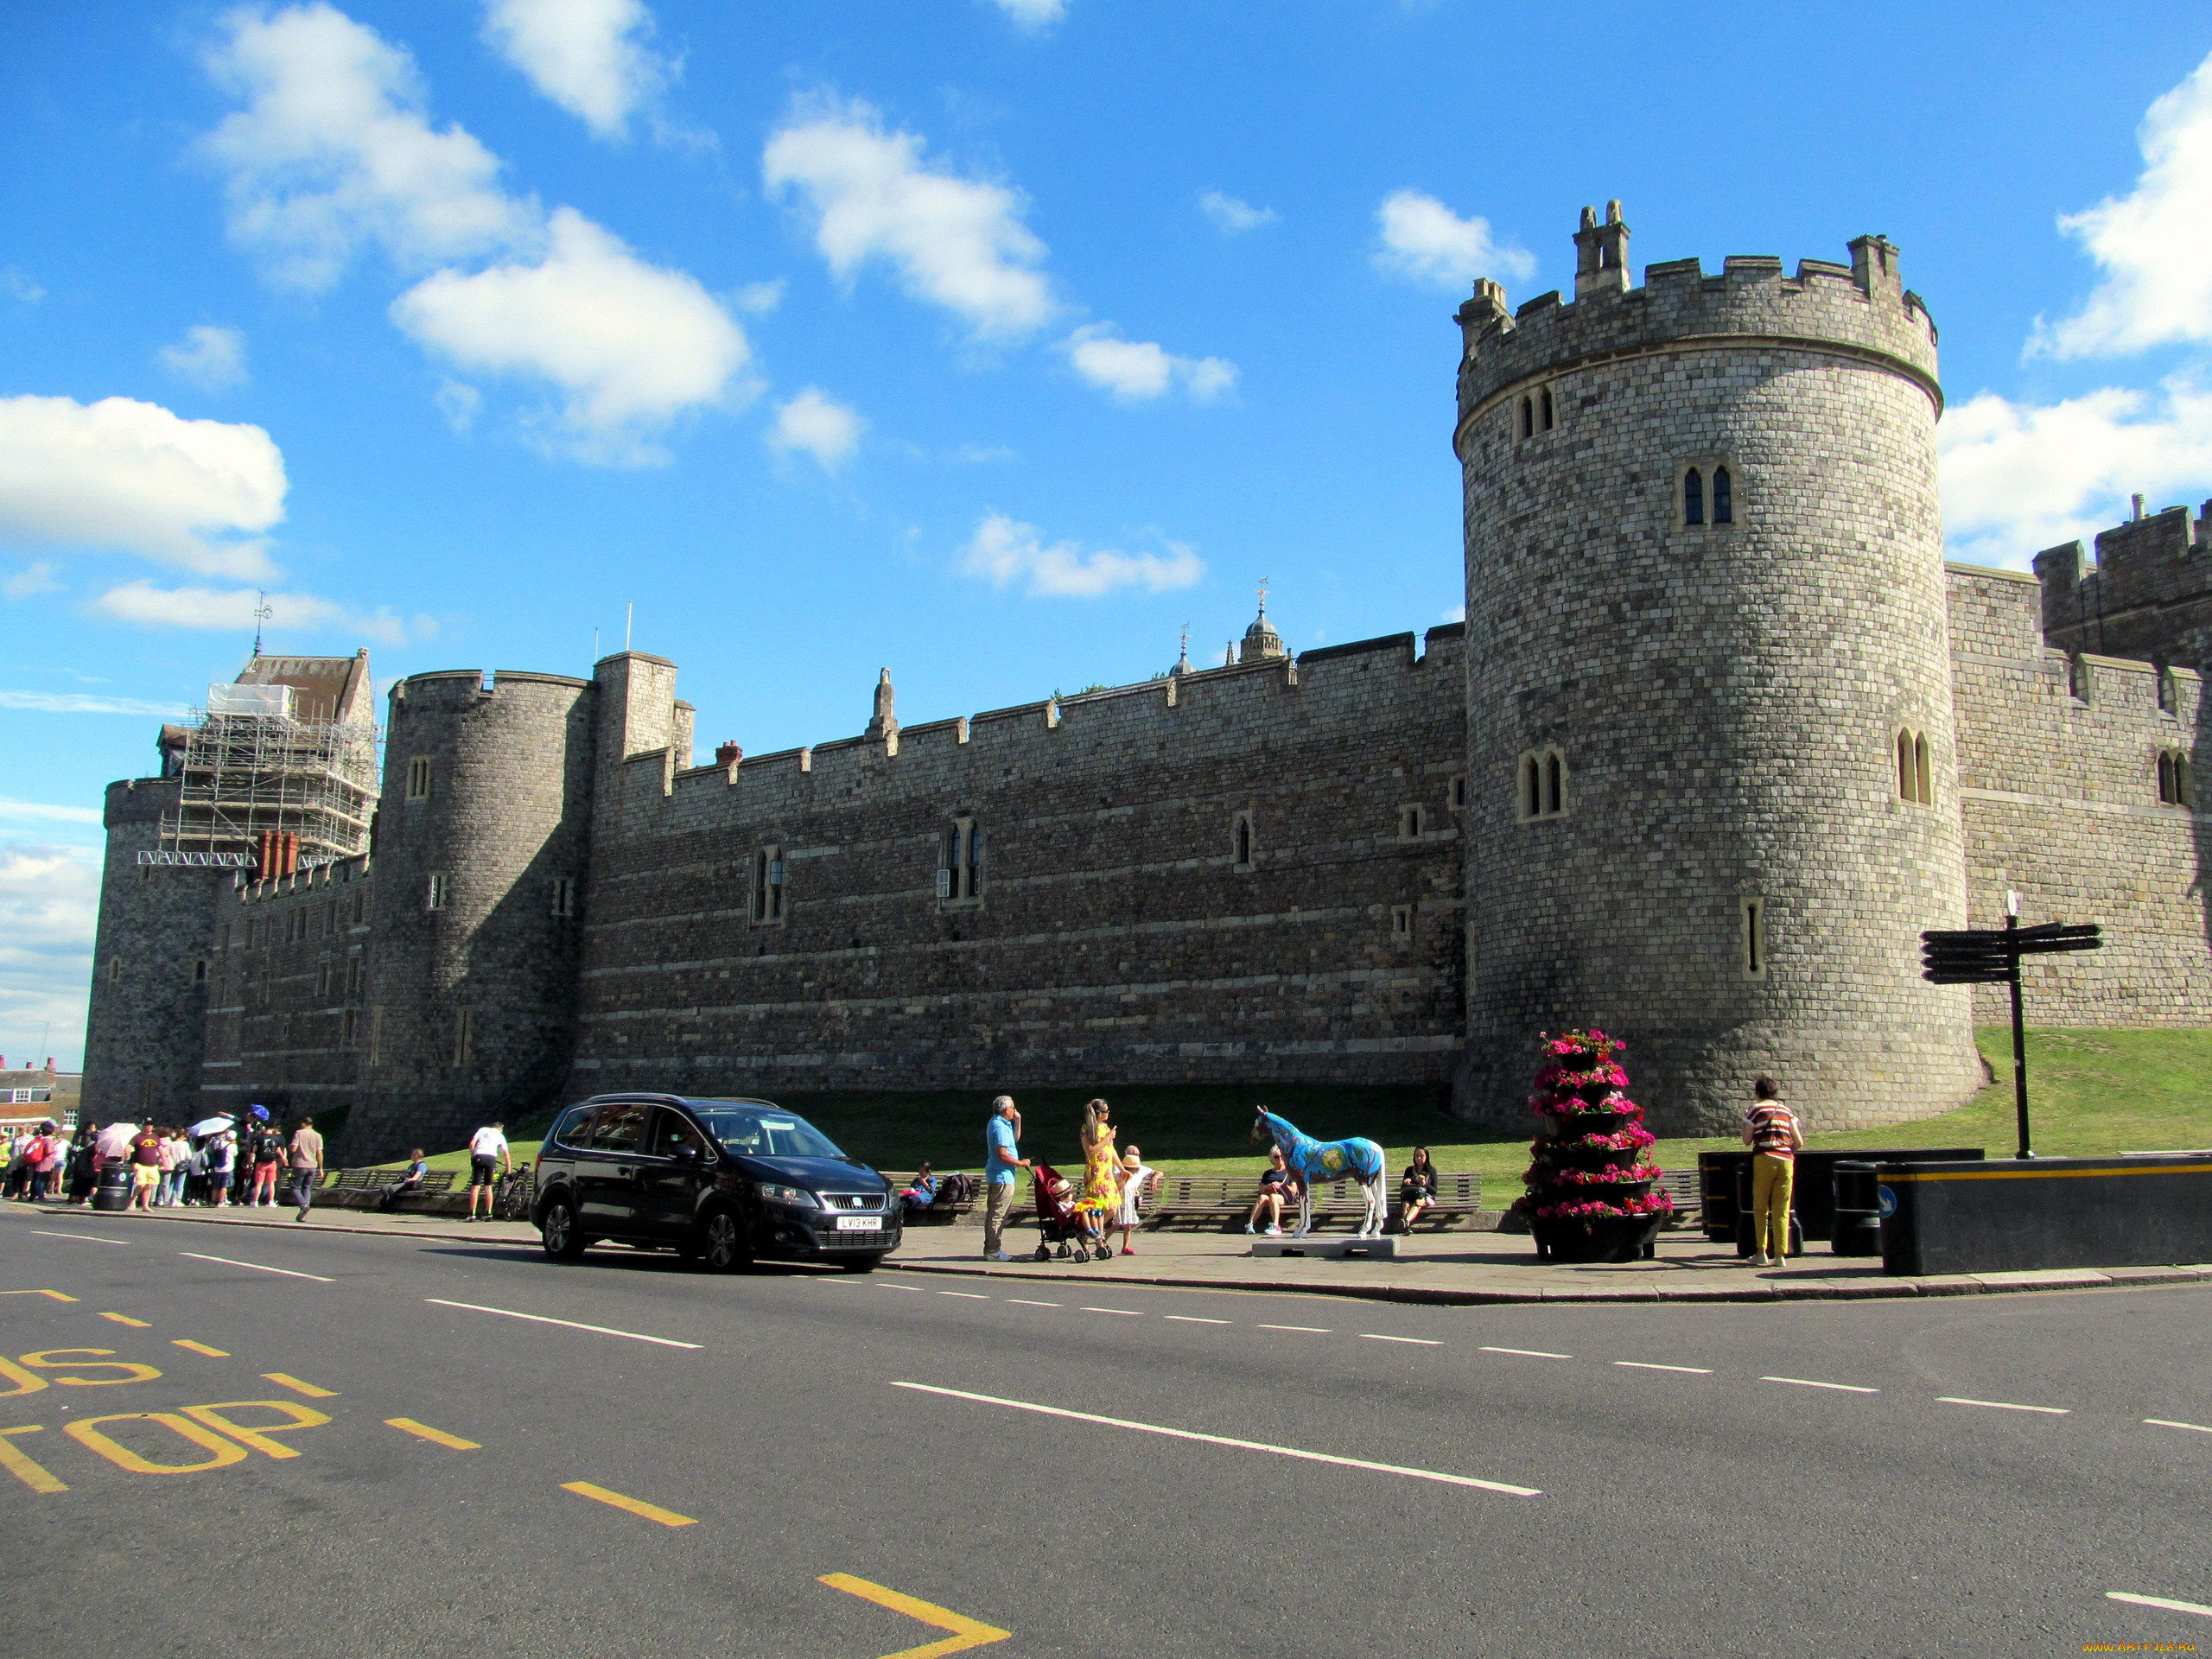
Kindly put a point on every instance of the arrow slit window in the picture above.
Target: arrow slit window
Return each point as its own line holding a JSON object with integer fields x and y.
{"x": 1916, "y": 768}
{"x": 1753, "y": 939}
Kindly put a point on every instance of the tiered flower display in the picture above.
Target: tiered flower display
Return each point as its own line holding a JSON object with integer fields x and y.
{"x": 1589, "y": 1195}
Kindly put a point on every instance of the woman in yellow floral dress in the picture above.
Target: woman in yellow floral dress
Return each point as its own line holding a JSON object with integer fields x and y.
{"x": 1101, "y": 1174}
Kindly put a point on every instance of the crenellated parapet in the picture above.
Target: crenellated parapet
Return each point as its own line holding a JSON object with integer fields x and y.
{"x": 1860, "y": 311}
{"x": 2148, "y": 595}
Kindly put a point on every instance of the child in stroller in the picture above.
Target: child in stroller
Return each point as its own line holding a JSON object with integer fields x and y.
{"x": 1059, "y": 1223}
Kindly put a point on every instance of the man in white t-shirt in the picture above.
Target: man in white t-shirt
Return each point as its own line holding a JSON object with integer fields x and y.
{"x": 488, "y": 1159}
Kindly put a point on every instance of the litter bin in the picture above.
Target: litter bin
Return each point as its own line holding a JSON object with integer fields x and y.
{"x": 113, "y": 1192}
{"x": 1857, "y": 1211}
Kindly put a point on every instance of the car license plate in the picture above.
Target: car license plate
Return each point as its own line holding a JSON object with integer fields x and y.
{"x": 860, "y": 1223}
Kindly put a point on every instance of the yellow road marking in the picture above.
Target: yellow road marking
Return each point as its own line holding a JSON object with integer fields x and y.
{"x": 124, "y": 1319}
{"x": 966, "y": 1632}
{"x": 257, "y": 1438}
{"x": 57, "y": 1296}
{"x": 85, "y": 1431}
{"x": 24, "y": 1382}
{"x": 199, "y": 1347}
{"x": 636, "y": 1506}
{"x": 285, "y": 1380}
{"x": 435, "y": 1436}
{"x": 31, "y": 1474}
{"x": 45, "y": 1360}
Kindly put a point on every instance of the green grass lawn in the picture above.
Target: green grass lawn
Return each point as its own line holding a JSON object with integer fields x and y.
{"x": 2090, "y": 1091}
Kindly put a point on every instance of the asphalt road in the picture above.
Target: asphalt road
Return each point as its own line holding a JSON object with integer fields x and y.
{"x": 1833, "y": 1478}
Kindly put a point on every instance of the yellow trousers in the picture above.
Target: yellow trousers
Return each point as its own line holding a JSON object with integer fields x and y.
{"x": 1772, "y": 1178}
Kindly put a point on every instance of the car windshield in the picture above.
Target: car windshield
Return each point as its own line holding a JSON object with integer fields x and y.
{"x": 764, "y": 1131}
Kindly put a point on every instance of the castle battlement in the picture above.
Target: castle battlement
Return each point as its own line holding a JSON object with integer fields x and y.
{"x": 1860, "y": 310}
{"x": 2148, "y": 593}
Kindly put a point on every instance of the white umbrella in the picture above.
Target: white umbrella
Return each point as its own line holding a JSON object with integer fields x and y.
{"x": 209, "y": 1126}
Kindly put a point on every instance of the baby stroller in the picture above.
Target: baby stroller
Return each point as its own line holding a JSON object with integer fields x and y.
{"x": 1058, "y": 1221}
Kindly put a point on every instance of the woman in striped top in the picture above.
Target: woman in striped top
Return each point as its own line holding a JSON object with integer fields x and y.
{"x": 1771, "y": 1132}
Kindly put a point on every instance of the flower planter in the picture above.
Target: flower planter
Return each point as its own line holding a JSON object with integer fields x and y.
{"x": 1574, "y": 1125}
{"x": 1601, "y": 1238}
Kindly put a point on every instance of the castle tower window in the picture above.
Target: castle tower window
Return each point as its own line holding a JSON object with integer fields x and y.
{"x": 115, "y": 970}
{"x": 322, "y": 979}
{"x": 349, "y": 1029}
{"x": 1545, "y": 399}
{"x": 1754, "y": 938}
{"x": 464, "y": 1035}
{"x": 564, "y": 895}
{"x": 357, "y": 976}
{"x": 1532, "y": 786}
{"x": 1693, "y": 497}
{"x": 1401, "y": 924}
{"x": 200, "y": 971}
{"x": 1458, "y": 792}
{"x": 2173, "y": 778}
{"x": 440, "y": 884}
{"x": 1554, "y": 785}
{"x": 960, "y": 878}
{"x": 1409, "y": 821}
{"x": 1723, "y": 497}
{"x": 768, "y": 885}
{"x": 1242, "y": 841}
{"x": 418, "y": 777}
{"x": 1543, "y": 785}
{"x": 2169, "y": 698}
{"x": 1924, "y": 774}
{"x": 1527, "y": 419}
{"x": 2081, "y": 681}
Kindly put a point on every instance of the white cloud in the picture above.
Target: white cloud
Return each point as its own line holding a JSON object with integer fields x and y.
{"x": 210, "y": 356}
{"x": 1004, "y": 552}
{"x": 78, "y": 702}
{"x": 458, "y": 402}
{"x": 231, "y": 610}
{"x": 1424, "y": 241}
{"x": 2155, "y": 244}
{"x": 959, "y": 243}
{"x": 20, "y": 285}
{"x": 49, "y": 905}
{"x": 334, "y": 148}
{"x": 588, "y": 56}
{"x": 1138, "y": 370}
{"x": 128, "y": 476}
{"x": 1034, "y": 16}
{"x": 1455, "y": 614}
{"x": 757, "y": 299}
{"x": 630, "y": 346}
{"x": 41, "y": 812}
{"x": 818, "y": 425}
{"x": 2017, "y": 478}
{"x": 36, "y": 577}
{"x": 983, "y": 455}
{"x": 1232, "y": 217}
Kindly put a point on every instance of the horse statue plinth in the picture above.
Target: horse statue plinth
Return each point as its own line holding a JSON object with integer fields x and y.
{"x": 1358, "y": 1159}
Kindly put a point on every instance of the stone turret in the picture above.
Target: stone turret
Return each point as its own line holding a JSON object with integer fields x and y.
{"x": 1261, "y": 643}
{"x": 1704, "y": 591}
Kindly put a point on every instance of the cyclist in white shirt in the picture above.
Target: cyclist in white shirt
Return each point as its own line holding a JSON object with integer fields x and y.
{"x": 488, "y": 1159}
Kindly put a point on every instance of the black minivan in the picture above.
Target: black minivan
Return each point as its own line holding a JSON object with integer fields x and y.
{"x": 723, "y": 1182}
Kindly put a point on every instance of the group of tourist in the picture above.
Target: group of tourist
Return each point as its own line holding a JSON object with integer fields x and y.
{"x": 1115, "y": 1180}
{"x": 168, "y": 1167}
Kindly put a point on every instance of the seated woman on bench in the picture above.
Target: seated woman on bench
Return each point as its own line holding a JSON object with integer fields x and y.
{"x": 1277, "y": 1186}
{"x": 408, "y": 1184}
{"x": 1416, "y": 1190}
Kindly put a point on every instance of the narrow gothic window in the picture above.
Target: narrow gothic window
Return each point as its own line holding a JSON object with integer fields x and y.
{"x": 1527, "y": 419}
{"x": 2168, "y": 701}
{"x": 437, "y": 894}
{"x": 1554, "y": 785}
{"x": 1546, "y": 399}
{"x": 1723, "y": 497}
{"x": 418, "y": 779}
{"x": 1409, "y": 824}
{"x": 2181, "y": 795}
{"x": 1924, "y": 774}
{"x": 768, "y": 885}
{"x": 1532, "y": 789}
{"x": 1905, "y": 779}
{"x": 1693, "y": 498}
{"x": 2166, "y": 779}
{"x": 564, "y": 895}
{"x": 962, "y": 874}
{"x": 1243, "y": 840}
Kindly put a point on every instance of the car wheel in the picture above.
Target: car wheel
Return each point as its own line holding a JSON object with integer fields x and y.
{"x": 859, "y": 1264}
{"x": 722, "y": 1244}
{"x": 563, "y": 1241}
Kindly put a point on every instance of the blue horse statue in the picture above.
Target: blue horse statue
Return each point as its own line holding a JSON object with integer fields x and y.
{"x": 1313, "y": 1161}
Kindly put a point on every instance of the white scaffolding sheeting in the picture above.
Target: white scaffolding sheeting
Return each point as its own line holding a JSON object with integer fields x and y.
{"x": 248, "y": 771}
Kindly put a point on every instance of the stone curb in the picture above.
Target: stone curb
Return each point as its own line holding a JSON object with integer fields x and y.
{"x": 443, "y": 1236}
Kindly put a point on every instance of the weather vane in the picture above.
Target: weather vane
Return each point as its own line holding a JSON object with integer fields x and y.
{"x": 261, "y": 614}
{"x": 1263, "y": 595}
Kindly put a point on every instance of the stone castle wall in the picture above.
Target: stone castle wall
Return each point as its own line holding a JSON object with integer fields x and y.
{"x": 2059, "y": 784}
{"x": 1113, "y": 936}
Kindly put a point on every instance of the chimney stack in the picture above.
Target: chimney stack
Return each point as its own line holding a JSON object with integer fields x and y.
{"x": 728, "y": 754}
{"x": 2139, "y": 510}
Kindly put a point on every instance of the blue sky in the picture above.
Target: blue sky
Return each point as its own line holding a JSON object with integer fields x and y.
{"x": 992, "y": 340}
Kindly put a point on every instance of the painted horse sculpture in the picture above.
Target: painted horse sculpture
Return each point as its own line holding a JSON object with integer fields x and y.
{"x": 1311, "y": 1160}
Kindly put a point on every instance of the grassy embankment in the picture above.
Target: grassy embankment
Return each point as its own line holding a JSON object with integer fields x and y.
{"x": 2091, "y": 1091}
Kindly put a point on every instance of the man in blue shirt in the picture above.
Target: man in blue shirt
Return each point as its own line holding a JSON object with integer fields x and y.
{"x": 1003, "y": 1161}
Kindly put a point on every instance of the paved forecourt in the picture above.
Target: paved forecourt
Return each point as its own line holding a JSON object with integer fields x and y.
{"x": 365, "y": 1443}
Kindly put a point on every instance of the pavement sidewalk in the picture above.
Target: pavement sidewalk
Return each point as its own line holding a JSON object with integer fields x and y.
{"x": 1450, "y": 1269}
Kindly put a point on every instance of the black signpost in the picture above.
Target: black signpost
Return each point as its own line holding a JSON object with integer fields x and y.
{"x": 1988, "y": 956}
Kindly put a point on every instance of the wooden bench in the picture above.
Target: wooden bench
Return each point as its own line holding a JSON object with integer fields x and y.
{"x": 1684, "y": 1186}
{"x": 942, "y": 1212}
{"x": 364, "y": 1187}
{"x": 1228, "y": 1199}
{"x": 1458, "y": 1195}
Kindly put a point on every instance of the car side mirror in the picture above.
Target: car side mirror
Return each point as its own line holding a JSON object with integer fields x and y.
{"x": 686, "y": 1154}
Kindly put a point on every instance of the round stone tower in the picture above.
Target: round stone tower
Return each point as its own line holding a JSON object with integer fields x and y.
{"x": 483, "y": 833}
{"x": 1705, "y": 598}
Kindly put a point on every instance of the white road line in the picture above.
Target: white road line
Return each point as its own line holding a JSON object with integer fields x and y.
{"x": 2000, "y": 1404}
{"x": 1126, "y": 1312}
{"x": 970, "y": 1295}
{"x": 1808, "y": 1382}
{"x": 884, "y": 1284}
{"x": 1310, "y": 1330}
{"x": 1024, "y": 1301}
{"x": 1224, "y": 1440}
{"x": 540, "y": 1318}
{"x": 258, "y": 1267}
{"x": 2160, "y": 1601}
{"x": 1192, "y": 1319}
{"x": 1425, "y": 1342}
{"x": 1646, "y": 1365}
{"x": 89, "y": 1238}
{"x": 2162, "y": 1422}
{"x": 1531, "y": 1353}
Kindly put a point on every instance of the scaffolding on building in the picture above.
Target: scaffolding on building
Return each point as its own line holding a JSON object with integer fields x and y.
{"x": 268, "y": 790}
